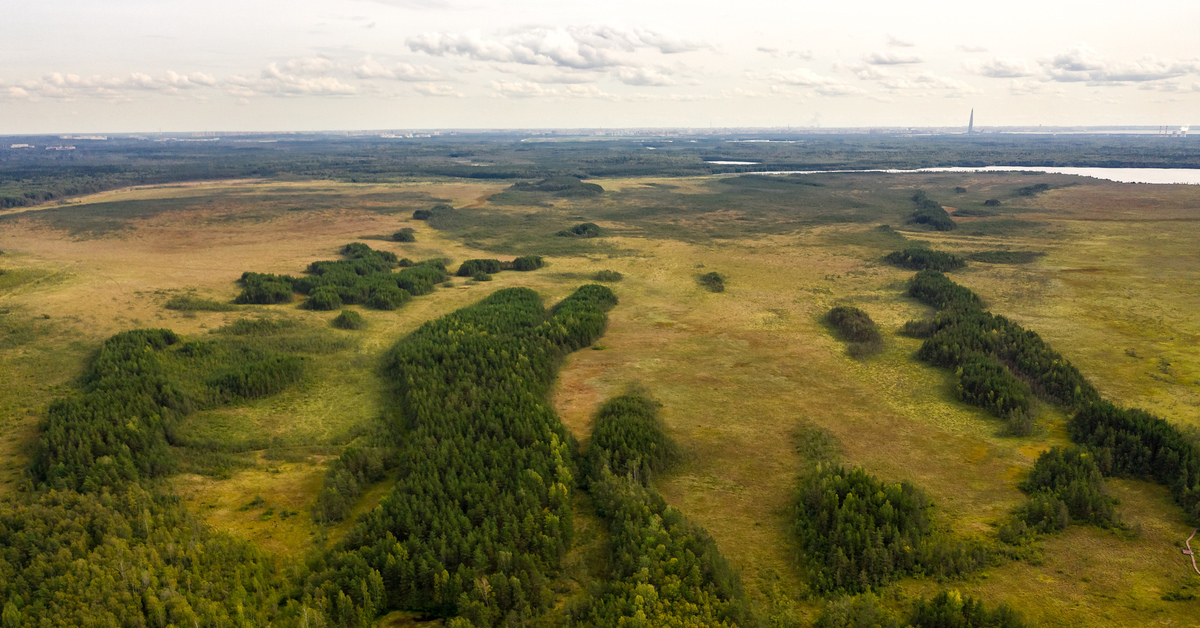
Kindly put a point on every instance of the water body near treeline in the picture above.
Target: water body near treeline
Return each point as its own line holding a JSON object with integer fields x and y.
{"x": 1184, "y": 176}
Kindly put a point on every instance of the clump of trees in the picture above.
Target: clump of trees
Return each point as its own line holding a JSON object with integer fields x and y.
{"x": 608, "y": 276}
{"x": 856, "y": 327}
{"x": 921, "y": 258}
{"x": 1065, "y": 485}
{"x": 1033, "y": 190}
{"x": 472, "y": 267}
{"x": 349, "y": 319}
{"x": 665, "y": 570}
{"x": 480, "y": 517}
{"x": 365, "y": 277}
{"x": 564, "y": 186}
{"x": 426, "y": 214}
{"x": 258, "y": 378}
{"x": 948, "y": 609}
{"x": 407, "y": 234}
{"x": 713, "y": 282}
{"x": 525, "y": 263}
{"x": 859, "y": 533}
{"x": 629, "y": 439}
{"x": 930, "y": 212}
{"x": 582, "y": 230}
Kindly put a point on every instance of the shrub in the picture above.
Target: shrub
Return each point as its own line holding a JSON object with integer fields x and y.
{"x": 920, "y": 258}
{"x": 713, "y": 282}
{"x": 388, "y": 297}
{"x": 1005, "y": 257}
{"x": 349, "y": 319}
{"x": 582, "y": 230}
{"x": 422, "y": 214}
{"x": 526, "y": 263}
{"x": 1033, "y": 190}
{"x": 610, "y": 276}
{"x": 193, "y": 303}
{"x": 406, "y": 234}
{"x": 472, "y": 267}
{"x": 266, "y": 292}
{"x": 992, "y": 202}
{"x": 325, "y": 298}
{"x": 856, "y": 327}
{"x": 481, "y": 276}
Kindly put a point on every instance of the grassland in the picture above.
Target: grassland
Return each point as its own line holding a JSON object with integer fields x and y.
{"x": 740, "y": 373}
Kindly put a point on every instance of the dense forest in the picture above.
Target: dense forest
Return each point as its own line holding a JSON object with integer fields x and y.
{"x": 480, "y": 517}
{"x": 1000, "y": 363}
{"x": 664, "y": 570}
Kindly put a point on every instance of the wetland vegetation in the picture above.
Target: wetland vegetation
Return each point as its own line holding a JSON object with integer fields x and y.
{"x": 227, "y": 432}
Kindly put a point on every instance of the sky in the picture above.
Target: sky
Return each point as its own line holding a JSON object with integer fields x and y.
{"x": 76, "y": 66}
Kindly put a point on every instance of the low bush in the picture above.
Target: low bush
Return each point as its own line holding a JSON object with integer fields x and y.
{"x": 609, "y": 276}
{"x": 349, "y": 319}
{"x": 325, "y": 298}
{"x": 582, "y": 230}
{"x": 193, "y": 303}
{"x": 713, "y": 282}
{"x": 992, "y": 202}
{"x": 856, "y": 327}
{"x": 406, "y": 234}
{"x": 526, "y": 263}
{"x": 1005, "y": 257}
{"x": 481, "y": 276}
{"x": 1033, "y": 190}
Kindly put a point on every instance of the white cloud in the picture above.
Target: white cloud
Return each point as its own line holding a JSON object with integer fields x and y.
{"x": 1082, "y": 64}
{"x": 969, "y": 48}
{"x": 433, "y": 89}
{"x": 896, "y": 42}
{"x": 803, "y": 55}
{"x": 891, "y": 58}
{"x": 520, "y": 89}
{"x": 804, "y": 77}
{"x": 997, "y": 67}
{"x": 644, "y": 77}
{"x": 369, "y": 68}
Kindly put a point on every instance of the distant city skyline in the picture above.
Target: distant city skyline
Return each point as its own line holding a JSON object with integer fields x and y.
{"x": 120, "y": 66}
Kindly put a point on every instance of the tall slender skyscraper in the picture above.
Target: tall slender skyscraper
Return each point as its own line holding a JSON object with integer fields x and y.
{"x": 971, "y": 124}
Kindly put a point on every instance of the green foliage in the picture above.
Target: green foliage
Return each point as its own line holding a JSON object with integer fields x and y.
{"x": 608, "y": 276}
{"x": 1072, "y": 476}
{"x": 325, "y": 298}
{"x": 664, "y": 570}
{"x": 561, "y": 186}
{"x": 256, "y": 326}
{"x": 481, "y": 276}
{"x": 936, "y": 290}
{"x": 949, "y": 609}
{"x": 713, "y": 282}
{"x": 349, "y": 319}
{"x": 473, "y": 266}
{"x": 930, "y": 212}
{"x": 1005, "y": 257}
{"x": 480, "y": 516}
{"x": 629, "y": 439}
{"x": 856, "y": 327}
{"x": 436, "y": 210}
{"x": 193, "y": 303}
{"x": 406, "y": 234}
{"x": 264, "y": 289}
{"x": 859, "y": 611}
{"x": 920, "y": 258}
{"x": 985, "y": 382}
{"x": 365, "y": 277}
{"x": 859, "y": 533}
{"x": 582, "y": 230}
{"x": 526, "y": 263}
{"x": 1033, "y": 190}
{"x": 260, "y": 378}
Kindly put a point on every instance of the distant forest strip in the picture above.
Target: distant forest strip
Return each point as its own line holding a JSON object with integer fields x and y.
{"x": 664, "y": 570}
{"x": 480, "y": 517}
{"x": 32, "y": 177}
{"x": 1002, "y": 366}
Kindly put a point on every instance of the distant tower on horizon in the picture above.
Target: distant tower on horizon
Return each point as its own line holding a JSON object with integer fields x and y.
{"x": 971, "y": 124}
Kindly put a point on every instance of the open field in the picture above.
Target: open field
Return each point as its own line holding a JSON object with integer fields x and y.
{"x": 739, "y": 373}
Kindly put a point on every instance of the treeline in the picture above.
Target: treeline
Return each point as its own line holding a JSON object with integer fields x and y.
{"x": 562, "y": 186}
{"x": 856, "y": 327}
{"x": 1064, "y": 486}
{"x": 859, "y": 533}
{"x": 365, "y": 277}
{"x": 948, "y": 609}
{"x": 921, "y": 258}
{"x": 929, "y": 212}
{"x": 480, "y": 515}
{"x": 1121, "y": 441}
{"x": 664, "y": 570}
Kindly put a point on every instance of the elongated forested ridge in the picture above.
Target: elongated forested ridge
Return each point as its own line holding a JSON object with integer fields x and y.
{"x": 1001, "y": 363}
{"x": 664, "y": 570}
{"x": 480, "y": 516}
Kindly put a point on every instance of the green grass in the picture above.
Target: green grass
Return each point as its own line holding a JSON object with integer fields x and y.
{"x": 191, "y": 303}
